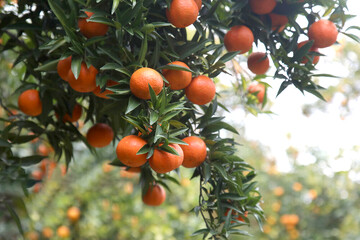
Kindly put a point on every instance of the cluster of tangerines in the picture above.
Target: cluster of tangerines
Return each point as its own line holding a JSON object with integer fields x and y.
{"x": 73, "y": 214}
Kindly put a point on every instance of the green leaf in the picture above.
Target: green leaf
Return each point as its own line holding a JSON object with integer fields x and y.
{"x": 228, "y": 56}
{"x": 176, "y": 141}
{"x": 133, "y": 104}
{"x": 143, "y": 50}
{"x": 221, "y": 170}
{"x": 169, "y": 149}
{"x": 232, "y": 196}
{"x": 176, "y": 67}
{"x": 76, "y": 66}
{"x": 15, "y": 217}
{"x": 31, "y": 160}
{"x": 152, "y": 95}
{"x": 201, "y": 231}
{"x": 115, "y": 6}
{"x": 47, "y": 67}
{"x": 154, "y": 116}
{"x": 144, "y": 149}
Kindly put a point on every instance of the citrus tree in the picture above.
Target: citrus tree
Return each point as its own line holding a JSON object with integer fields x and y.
{"x": 142, "y": 74}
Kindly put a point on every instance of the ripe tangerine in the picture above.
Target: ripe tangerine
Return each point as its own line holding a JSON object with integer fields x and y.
{"x": 259, "y": 90}
{"x": 154, "y": 196}
{"x": 182, "y": 13}
{"x": 63, "y": 67}
{"x": 104, "y": 94}
{"x": 201, "y": 90}
{"x": 127, "y": 149}
{"x": 177, "y": 79}
{"x": 73, "y": 214}
{"x": 91, "y": 29}
{"x": 86, "y": 81}
{"x": 100, "y": 135}
{"x": 262, "y": 6}
{"x": 194, "y": 152}
{"x": 323, "y": 32}
{"x": 140, "y": 80}
{"x": 30, "y": 103}
{"x": 258, "y": 63}
{"x": 239, "y": 38}
{"x": 163, "y": 162}
{"x": 312, "y": 49}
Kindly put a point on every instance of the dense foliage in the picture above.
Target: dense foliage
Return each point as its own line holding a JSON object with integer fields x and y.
{"x": 41, "y": 33}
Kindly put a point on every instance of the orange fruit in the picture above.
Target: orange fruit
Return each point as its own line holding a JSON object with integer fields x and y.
{"x": 63, "y": 232}
{"x": 44, "y": 150}
{"x": 239, "y": 38}
{"x": 258, "y": 89}
{"x": 86, "y": 81}
{"x": 30, "y": 103}
{"x": 323, "y": 32}
{"x": 91, "y": 29}
{"x": 154, "y": 196}
{"x": 37, "y": 187}
{"x": 278, "y": 191}
{"x": 100, "y": 135}
{"x": 73, "y": 214}
{"x": 297, "y": 187}
{"x": 312, "y": 49}
{"x": 163, "y": 162}
{"x": 47, "y": 232}
{"x": 201, "y": 90}
{"x": 262, "y": 6}
{"x": 32, "y": 235}
{"x": 103, "y": 94}
{"x": 182, "y": 13}
{"x": 177, "y": 79}
{"x": 278, "y": 21}
{"x": 127, "y": 149}
{"x": 37, "y": 174}
{"x": 63, "y": 67}
{"x": 194, "y": 153}
{"x": 140, "y": 80}
{"x": 258, "y": 63}
{"x": 198, "y": 3}
{"x": 75, "y": 115}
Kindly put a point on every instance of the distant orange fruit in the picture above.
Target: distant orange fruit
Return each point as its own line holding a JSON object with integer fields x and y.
{"x": 91, "y": 29}
{"x": 323, "y": 32}
{"x": 76, "y": 114}
{"x": 140, "y": 80}
{"x": 63, "y": 67}
{"x": 194, "y": 152}
{"x": 104, "y": 94}
{"x": 86, "y": 81}
{"x": 100, "y": 135}
{"x": 201, "y": 90}
{"x": 312, "y": 49}
{"x": 73, "y": 214}
{"x": 239, "y": 38}
{"x": 154, "y": 196}
{"x": 127, "y": 149}
{"x": 44, "y": 150}
{"x": 262, "y": 6}
{"x": 259, "y": 90}
{"x": 278, "y": 21}
{"x": 258, "y": 63}
{"x": 30, "y": 103}
{"x": 278, "y": 191}
{"x": 297, "y": 186}
{"x": 37, "y": 187}
{"x": 63, "y": 232}
{"x": 163, "y": 162}
{"x": 182, "y": 13}
{"x": 32, "y": 235}
{"x": 47, "y": 232}
{"x": 37, "y": 174}
{"x": 177, "y": 79}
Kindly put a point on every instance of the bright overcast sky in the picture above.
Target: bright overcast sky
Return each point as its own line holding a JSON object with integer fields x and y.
{"x": 325, "y": 130}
